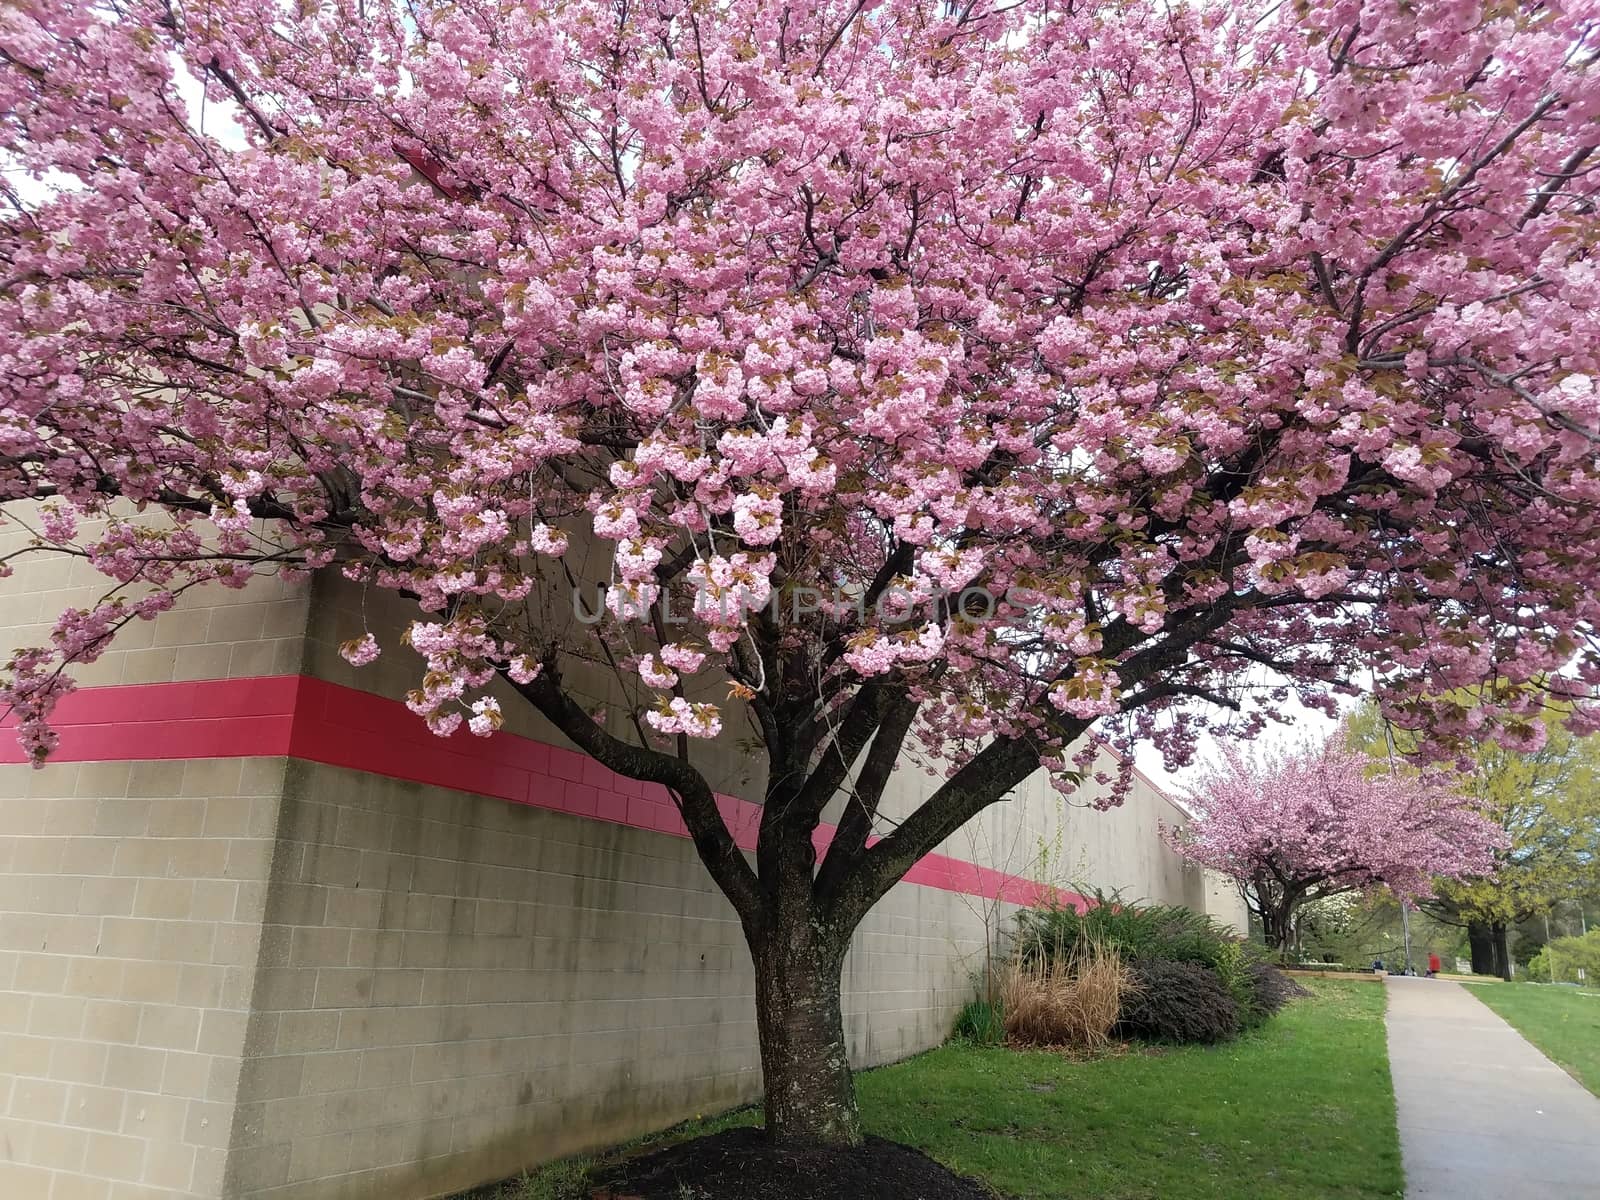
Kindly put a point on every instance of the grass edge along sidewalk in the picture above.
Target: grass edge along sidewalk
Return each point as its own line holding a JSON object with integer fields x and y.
{"x": 1563, "y": 1022}
{"x": 1301, "y": 1108}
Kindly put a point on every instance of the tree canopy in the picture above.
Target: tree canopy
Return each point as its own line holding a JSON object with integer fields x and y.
{"x": 923, "y": 375}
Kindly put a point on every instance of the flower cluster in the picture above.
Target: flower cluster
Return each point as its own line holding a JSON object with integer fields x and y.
{"x": 1233, "y": 352}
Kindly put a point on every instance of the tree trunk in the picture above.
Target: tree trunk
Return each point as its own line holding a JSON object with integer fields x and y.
{"x": 810, "y": 1095}
{"x": 1275, "y": 930}
{"x": 1481, "y": 940}
{"x": 1277, "y": 922}
{"x": 1502, "y": 951}
{"x": 1279, "y": 932}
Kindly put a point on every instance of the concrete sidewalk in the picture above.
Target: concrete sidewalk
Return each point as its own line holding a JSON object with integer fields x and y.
{"x": 1484, "y": 1115}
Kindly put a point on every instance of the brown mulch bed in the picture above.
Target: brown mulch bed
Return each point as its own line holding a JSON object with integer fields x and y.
{"x": 740, "y": 1164}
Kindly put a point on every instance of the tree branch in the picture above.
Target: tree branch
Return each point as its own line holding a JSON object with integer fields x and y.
{"x": 850, "y": 839}
{"x": 986, "y": 778}
{"x": 692, "y": 794}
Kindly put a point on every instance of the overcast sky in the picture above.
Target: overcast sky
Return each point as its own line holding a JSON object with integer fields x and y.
{"x": 1308, "y": 723}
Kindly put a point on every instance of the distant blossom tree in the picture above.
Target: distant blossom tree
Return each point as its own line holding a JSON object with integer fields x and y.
{"x": 1548, "y": 803}
{"x": 1314, "y": 822}
{"x": 1158, "y": 360}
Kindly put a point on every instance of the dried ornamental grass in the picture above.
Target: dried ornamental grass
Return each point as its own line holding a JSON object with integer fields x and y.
{"x": 1064, "y": 999}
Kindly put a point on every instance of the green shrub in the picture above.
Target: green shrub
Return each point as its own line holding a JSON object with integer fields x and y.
{"x": 1177, "y": 1002}
{"x": 1167, "y": 931}
{"x": 1235, "y": 967}
{"x": 982, "y": 1023}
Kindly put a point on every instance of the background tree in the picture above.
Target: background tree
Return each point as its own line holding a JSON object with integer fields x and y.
{"x": 1350, "y": 928}
{"x": 963, "y": 375}
{"x": 1568, "y": 959}
{"x": 1548, "y": 803}
{"x": 1301, "y": 826}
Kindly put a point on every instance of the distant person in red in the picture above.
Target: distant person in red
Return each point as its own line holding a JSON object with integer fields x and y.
{"x": 1433, "y": 964}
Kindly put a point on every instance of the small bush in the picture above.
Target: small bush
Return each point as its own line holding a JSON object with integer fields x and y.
{"x": 1064, "y": 1000}
{"x": 981, "y": 1023}
{"x": 1177, "y": 1002}
{"x": 1271, "y": 989}
{"x": 1170, "y": 934}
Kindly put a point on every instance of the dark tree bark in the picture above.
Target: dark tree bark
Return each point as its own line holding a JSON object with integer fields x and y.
{"x": 1480, "y": 938}
{"x": 805, "y": 1062}
{"x": 1277, "y": 927}
{"x": 1276, "y": 904}
{"x": 1502, "y": 950}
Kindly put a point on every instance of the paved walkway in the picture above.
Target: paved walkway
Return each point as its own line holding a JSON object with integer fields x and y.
{"x": 1483, "y": 1115}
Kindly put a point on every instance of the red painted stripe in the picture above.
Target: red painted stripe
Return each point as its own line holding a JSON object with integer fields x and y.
{"x": 302, "y": 717}
{"x": 214, "y": 718}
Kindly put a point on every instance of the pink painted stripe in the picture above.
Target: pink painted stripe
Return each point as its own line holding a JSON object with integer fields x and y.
{"x": 302, "y": 717}
{"x": 213, "y": 718}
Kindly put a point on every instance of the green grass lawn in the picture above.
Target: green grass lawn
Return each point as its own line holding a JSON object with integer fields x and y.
{"x": 1563, "y": 1022}
{"x": 1301, "y": 1108}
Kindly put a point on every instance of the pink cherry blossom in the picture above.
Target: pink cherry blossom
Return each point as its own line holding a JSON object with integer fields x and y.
{"x": 680, "y": 716}
{"x": 940, "y": 380}
{"x": 682, "y": 658}
{"x": 654, "y": 674}
{"x": 1319, "y": 820}
{"x": 486, "y": 716}
{"x": 360, "y": 652}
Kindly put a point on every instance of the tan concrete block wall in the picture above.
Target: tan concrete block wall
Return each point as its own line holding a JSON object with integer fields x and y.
{"x": 211, "y": 633}
{"x": 131, "y": 898}
{"x": 452, "y": 987}
{"x": 1224, "y": 902}
{"x": 1067, "y": 842}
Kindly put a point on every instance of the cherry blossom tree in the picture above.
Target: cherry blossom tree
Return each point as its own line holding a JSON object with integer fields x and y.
{"x": 1548, "y": 804}
{"x": 1319, "y": 821}
{"x": 962, "y": 375}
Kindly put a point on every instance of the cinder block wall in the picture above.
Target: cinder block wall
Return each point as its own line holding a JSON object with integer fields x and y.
{"x": 131, "y": 901}
{"x": 268, "y": 977}
{"x": 451, "y": 987}
{"x": 130, "y": 911}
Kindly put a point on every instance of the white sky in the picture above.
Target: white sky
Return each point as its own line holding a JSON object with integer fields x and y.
{"x": 1307, "y": 723}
